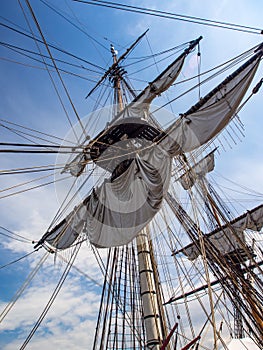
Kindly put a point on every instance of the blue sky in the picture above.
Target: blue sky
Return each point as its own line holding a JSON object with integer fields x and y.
{"x": 28, "y": 98}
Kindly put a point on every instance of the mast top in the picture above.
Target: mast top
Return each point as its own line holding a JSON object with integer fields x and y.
{"x": 116, "y": 62}
{"x": 113, "y": 51}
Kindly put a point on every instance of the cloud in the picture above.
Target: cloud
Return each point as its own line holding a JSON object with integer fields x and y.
{"x": 70, "y": 321}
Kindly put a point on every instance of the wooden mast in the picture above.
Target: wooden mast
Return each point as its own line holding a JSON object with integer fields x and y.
{"x": 118, "y": 100}
{"x": 155, "y": 326}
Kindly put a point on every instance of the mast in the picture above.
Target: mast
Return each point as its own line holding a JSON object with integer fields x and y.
{"x": 116, "y": 79}
{"x": 149, "y": 293}
{"x": 148, "y": 278}
{"x": 129, "y": 122}
{"x": 228, "y": 266}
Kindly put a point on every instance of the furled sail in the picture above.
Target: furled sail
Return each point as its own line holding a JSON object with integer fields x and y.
{"x": 212, "y": 113}
{"x": 204, "y": 166}
{"x": 139, "y": 107}
{"x": 131, "y": 122}
{"x": 230, "y": 237}
{"x": 114, "y": 213}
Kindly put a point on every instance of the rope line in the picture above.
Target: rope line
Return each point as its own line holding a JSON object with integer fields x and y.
{"x": 173, "y": 16}
{"x": 20, "y": 238}
{"x": 50, "y": 45}
{"x": 19, "y": 259}
{"x": 53, "y": 296}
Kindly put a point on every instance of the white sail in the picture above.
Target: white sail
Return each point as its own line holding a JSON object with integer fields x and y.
{"x": 212, "y": 113}
{"x": 117, "y": 211}
{"x": 114, "y": 213}
{"x": 139, "y": 107}
{"x": 229, "y": 238}
{"x": 204, "y": 166}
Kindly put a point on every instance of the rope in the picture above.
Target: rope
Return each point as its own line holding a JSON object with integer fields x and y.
{"x": 18, "y": 49}
{"x": 52, "y": 46}
{"x": 173, "y": 16}
{"x": 37, "y": 132}
{"x": 74, "y": 25}
{"x": 19, "y": 259}
{"x": 35, "y": 169}
{"x": 32, "y": 188}
{"x": 19, "y": 237}
{"x": 23, "y": 287}
{"x": 53, "y": 296}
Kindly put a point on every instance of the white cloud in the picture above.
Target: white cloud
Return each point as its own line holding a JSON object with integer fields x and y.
{"x": 74, "y": 309}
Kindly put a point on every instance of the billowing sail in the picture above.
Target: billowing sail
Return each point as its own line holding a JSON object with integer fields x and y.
{"x": 116, "y": 211}
{"x": 229, "y": 238}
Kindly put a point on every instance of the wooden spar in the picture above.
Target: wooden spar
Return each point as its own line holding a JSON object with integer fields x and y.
{"x": 205, "y": 286}
{"x": 191, "y": 343}
{"x": 166, "y": 341}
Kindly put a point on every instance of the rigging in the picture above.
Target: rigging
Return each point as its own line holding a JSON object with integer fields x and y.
{"x": 174, "y": 16}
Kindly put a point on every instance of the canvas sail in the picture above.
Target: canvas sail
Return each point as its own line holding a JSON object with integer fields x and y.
{"x": 114, "y": 213}
{"x": 146, "y": 181}
{"x": 139, "y": 107}
{"x": 204, "y": 166}
{"x": 212, "y": 113}
{"x": 229, "y": 238}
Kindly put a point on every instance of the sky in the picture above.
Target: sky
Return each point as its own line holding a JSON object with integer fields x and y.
{"x": 28, "y": 98}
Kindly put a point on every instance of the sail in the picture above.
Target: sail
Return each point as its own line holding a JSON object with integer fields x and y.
{"x": 138, "y": 192}
{"x": 139, "y": 107}
{"x": 135, "y": 113}
{"x": 230, "y": 237}
{"x": 212, "y": 113}
{"x": 204, "y": 166}
{"x": 115, "y": 212}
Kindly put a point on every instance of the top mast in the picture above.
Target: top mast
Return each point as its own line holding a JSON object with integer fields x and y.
{"x": 116, "y": 79}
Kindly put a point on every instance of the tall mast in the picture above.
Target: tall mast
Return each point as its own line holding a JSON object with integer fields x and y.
{"x": 154, "y": 322}
{"x": 149, "y": 292}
